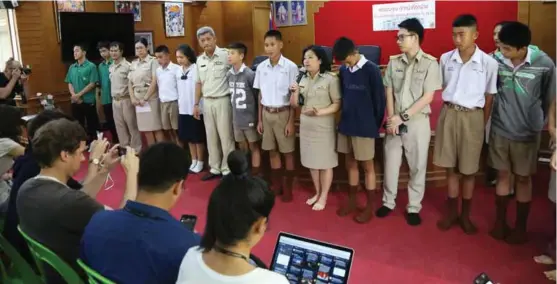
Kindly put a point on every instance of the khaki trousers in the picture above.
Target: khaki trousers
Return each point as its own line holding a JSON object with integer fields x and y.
{"x": 217, "y": 116}
{"x": 126, "y": 123}
{"x": 416, "y": 145}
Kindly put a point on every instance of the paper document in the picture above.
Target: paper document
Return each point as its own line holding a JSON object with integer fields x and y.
{"x": 145, "y": 108}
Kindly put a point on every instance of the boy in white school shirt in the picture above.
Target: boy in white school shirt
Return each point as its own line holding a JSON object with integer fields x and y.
{"x": 469, "y": 81}
{"x": 168, "y": 92}
{"x": 273, "y": 78}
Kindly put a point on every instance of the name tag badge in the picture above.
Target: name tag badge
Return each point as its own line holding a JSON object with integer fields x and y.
{"x": 203, "y": 66}
{"x": 399, "y": 70}
{"x": 450, "y": 68}
{"x": 219, "y": 63}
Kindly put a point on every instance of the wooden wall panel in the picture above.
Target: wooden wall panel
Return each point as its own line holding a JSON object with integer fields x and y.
{"x": 40, "y": 47}
{"x": 542, "y": 23}
{"x": 296, "y": 38}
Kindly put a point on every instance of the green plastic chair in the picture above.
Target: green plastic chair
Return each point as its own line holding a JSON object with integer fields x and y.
{"x": 43, "y": 254}
{"x": 94, "y": 276}
{"x": 22, "y": 270}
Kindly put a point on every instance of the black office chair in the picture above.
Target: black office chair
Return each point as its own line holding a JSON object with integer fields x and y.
{"x": 371, "y": 52}
{"x": 258, "y": 262}
{"x": 257, "y": 61}
{"x": 329, "y": 52}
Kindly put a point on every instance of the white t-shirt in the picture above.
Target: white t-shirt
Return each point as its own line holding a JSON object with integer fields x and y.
{"x": 166, "y": 81}
{"x": 186, "y": 89}
{"x": 194, "y": 271}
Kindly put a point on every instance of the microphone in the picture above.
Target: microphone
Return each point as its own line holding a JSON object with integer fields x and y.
{"x": 302, "y": 72}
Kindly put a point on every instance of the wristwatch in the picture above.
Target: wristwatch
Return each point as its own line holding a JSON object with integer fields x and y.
{"x": 405, "y": 116}
{"x": 95, "y": 162}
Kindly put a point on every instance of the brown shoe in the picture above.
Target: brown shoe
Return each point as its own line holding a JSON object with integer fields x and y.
{"x": 451, "y": 217}
{"x": 350, "y": 205}
{"x": 500, "y": 229}
{"x": 288, "y": 186}
{"x": 367, "y": 214}
{"x": 465, "y": 222}
{"x": 276, "y": 181}
{"x": 519, "y": 235}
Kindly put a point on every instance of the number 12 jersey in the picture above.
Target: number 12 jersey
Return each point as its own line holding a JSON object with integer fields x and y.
{"x": 243, "y": 97}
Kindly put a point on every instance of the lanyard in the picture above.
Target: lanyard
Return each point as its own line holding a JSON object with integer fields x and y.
{"x": 43, "y": 177}
{"x": 231, "y": 253}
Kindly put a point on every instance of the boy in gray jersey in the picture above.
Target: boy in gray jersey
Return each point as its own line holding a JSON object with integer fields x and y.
{"x": 526, "y": 87}
{"x": 244, "y": 103}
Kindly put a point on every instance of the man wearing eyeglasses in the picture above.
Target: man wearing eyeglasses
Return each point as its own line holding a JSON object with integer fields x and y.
{"x": 411, "y": 80}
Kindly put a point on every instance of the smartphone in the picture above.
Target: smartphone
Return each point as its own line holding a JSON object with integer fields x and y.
{"x": 189, "y": 221}
{"x": 122, "y": 151}
{"x": 483, "y": 279}
{"x": 402, "y": 129}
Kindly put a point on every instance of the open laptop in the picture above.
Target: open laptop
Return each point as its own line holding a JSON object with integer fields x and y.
{"x": 304, "y": 260}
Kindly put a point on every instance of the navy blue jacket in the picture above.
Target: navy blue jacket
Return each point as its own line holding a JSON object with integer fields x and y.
{"x": 363, "y": 101}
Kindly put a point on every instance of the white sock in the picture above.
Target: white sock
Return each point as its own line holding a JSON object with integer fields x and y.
{"x": 198, "y": 167}
{"x": 193, "y": 164}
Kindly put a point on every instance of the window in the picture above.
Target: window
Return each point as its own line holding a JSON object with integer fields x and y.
{"x": 9, "y": 43}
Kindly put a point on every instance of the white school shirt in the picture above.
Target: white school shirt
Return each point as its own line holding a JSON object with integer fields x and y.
{"x": 186, "y": 90}
{"x": 358, "y": 65}
{"x": 193, "y": 270}
{"x": 465, "y": 84}
{"x": 274, "y": 81}
{"x": 166, "y": 82}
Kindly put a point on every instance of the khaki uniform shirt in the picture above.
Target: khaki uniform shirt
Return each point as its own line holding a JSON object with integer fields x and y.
{"x": 211, "y": 73}
{"x": 119, "y": 73}
{"x": 321, "y": 91}
{"x": 141, "y": 75}
{"x": 410, "y": 80}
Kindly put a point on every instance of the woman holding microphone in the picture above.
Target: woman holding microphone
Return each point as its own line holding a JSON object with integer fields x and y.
{"x": 318, "y": 96}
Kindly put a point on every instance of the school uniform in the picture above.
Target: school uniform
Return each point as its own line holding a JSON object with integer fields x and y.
{"x": 244, "y": 104}
{"x": 168, "y": 95}
{"x": 122, "y": 108}
{"x": 317, "y": 133}
{"x": 211, "y": 73}
{"x": 459, "y": 135}
{"x": 190, "y": 129}
{"x": 274, "y": 83}
{"x": 363, "y": 109}
{"x": 409, "y": 80}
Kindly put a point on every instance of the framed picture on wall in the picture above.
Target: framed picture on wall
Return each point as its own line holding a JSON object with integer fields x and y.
{"x": 129, "y": 7}
{"x": 147, "y": 35}
{"x": 66, "y": 6}
{"x": 281, "y": 13}
{"x": 173, "y": 14}
{"x": 298, "y": 13}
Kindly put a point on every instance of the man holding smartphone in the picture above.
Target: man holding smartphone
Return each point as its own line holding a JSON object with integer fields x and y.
{"x": 410, "y": 81}
{"x": 142, "y": 242}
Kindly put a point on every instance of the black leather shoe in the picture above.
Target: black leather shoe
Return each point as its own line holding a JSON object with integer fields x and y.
{"x": 210, "y": 176}
{"x": 413, "y": 219}
{"x": 383, "y": 212}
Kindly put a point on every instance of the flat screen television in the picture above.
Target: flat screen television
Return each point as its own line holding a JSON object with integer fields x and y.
{"x": 91, "y": 28}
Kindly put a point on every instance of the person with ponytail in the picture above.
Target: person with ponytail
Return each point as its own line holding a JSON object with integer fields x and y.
{"x": 237, "y": 217}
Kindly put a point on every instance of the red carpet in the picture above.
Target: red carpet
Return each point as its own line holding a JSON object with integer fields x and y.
{"x": 390, "y": 251}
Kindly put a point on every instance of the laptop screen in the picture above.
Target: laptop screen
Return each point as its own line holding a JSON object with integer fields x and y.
{"x": 304, "y": 260}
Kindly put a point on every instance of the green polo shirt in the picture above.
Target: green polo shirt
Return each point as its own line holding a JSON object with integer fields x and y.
{"x": 81, "y": 75}
{"x": 104, "y": 82}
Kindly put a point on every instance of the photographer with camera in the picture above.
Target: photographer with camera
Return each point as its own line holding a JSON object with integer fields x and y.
{"x": 13, "y": 81}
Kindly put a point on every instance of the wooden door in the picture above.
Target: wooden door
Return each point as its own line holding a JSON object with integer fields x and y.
{"x": 260, "y": 27}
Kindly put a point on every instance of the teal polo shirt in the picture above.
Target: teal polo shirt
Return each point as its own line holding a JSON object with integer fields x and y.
{"x": 104, "y": 82}
{"x": 81, "y": 75}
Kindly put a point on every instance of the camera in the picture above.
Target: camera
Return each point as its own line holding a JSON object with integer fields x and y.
{"x": 122, "y": 151}
{"x": 25, "y": 70}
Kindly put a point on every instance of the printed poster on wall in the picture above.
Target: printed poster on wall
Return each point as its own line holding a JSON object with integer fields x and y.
{"x": 386, "y": 17}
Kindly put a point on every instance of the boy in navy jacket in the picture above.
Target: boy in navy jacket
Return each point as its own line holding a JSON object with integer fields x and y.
{"x": 363, "y": 110}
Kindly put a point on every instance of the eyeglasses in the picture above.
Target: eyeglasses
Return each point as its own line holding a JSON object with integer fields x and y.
{"x": 402, "y": 37}
{"x": 185, "y": 76}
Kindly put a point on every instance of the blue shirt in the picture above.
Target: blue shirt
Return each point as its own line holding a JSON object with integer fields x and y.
{"x": 363, "y": 101}
{"x": 137, "y": 244}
